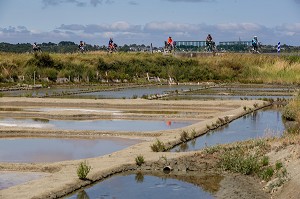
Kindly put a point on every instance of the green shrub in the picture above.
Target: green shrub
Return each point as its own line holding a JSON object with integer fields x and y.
{"x": 213, "y": 149}
{"x": 158, "y": 146}
{"x": 289, "y": 113}
{"x": 43, "y": 60}
{"x": 193, "y": 133}
{"x": 51, "y": 73}
{"x": 83, "y": 170}
{"x": 265, "y": 161}
{"x": 238, "y": 162}
{"x": 278, "y": 165}
{"x": 267, "y": 173}
{"x": 184, "y": 136}
{"x": 139, "y": 160}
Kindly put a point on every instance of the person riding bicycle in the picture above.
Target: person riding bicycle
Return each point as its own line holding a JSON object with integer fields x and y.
{"x": 170, "y": 41}
{"x": 35, "y": 47}
{"x": 209, "y": 42}
{"x": 110, "y": 43}
{"x": 255, "y": 43}
{"x": 112, "y": 47}
{"x": 81, "y": 46}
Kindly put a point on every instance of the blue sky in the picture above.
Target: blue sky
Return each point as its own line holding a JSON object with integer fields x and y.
{"x": 149, "y": 21}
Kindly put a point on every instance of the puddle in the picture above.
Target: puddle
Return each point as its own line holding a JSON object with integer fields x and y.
{"x": 12, "y": 178}
{"x": 98, "y": 125}
{"x": 267, "y": 122}
{"x": 29, "y": 150}
{"x": 137, "y": 186}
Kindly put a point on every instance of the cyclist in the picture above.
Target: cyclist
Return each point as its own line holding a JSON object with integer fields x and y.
{"x": 81, "y": 46}
{"x": 170, "y": 41}
{"x": 255, "y": 43}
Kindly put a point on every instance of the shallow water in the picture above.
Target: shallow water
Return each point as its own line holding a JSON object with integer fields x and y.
{"x": 138, "y": 92}
{"x": 40, "y": 92}
{"x": 267, "y": 122}
{"x": 53, "y": 150}
{"x": 85, "y": 92}
{"x": 137, "y": 186}
{"x": 12, "y": 178}
{"x": 226, "y": 97}
{"x": 100, "y": 125}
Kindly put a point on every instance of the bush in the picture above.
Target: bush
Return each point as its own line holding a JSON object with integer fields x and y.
{"x": 43, "y": 60}
{"x": 83, "y": 170}
{"x": 238, "y": 162}
{"x": 278, "y": 165}
{"x": 139, "y": 160}
{"x": 158, "y": 146}
{"x": 184, "y": 136}
{"x": 289, "y": 113}
{"x": 267, "y": 173}
{"x": 265, "y": 161}
{"x": 51, "y": 73}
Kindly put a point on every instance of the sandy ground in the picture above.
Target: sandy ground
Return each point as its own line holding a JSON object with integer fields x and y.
{"x": 62, "y": 179}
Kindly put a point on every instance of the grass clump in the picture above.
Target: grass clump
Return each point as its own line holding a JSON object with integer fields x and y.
{"x": 213, "y": 149}
{"x": 291, "y": 111}
{"x": 250, "y": 160}
{"x": 158, "y": 146}
{"x": 139, "y": 160}
{"x": 83, "y": 170}
{"x": 184, "y": 136}
{"x": 236, "y": 162}
{"x": 278, "y": 165}
{"x": 193, "y": 133}
{"x": 266, "y": 173}
{"x": 265, "y": 161}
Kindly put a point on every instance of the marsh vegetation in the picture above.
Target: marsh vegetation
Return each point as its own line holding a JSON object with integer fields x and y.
{"x": 134, "y": 67}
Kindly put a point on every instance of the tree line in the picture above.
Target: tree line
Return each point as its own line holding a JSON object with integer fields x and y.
{"x": 66, "y": 47}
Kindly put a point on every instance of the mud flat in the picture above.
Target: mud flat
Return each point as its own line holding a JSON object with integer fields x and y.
{"x": 61, "y": 178}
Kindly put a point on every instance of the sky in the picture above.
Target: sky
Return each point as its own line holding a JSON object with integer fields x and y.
{"x": 149, "y": 21}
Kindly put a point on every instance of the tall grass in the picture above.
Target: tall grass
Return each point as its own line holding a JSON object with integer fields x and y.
{"x": 246, "y": 68}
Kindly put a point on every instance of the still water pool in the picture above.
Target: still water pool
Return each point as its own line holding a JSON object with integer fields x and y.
{"x": 97, "y": 125}
{"x": 29, "y": 150}
{"x": 267, "y": 122}
{"x": 143, "y": 186}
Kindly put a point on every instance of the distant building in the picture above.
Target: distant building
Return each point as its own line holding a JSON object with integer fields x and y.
{"x": 190, "y": 44}
{"x": 232, "y": 43}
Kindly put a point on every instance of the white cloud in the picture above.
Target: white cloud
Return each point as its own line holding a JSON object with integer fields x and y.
{"x": 154, "y": 32}
{"x": 119, "y": 26}
{"x": 79, "y": 3}
{"x": 170, "y": 27}
{"x": 190, "y": 1}
{"x": 239, "y": 27}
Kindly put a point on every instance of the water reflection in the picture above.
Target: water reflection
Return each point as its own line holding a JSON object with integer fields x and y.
{"x": 82, "y": 195}
{"x": 267, "y": 122}
{"x": 52, "y": 150}
{"x": 138, "y": 92}
{"x": 154, "y": 185}
{"x": 100, "y": 125}
{"x": 139, "y": 177}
